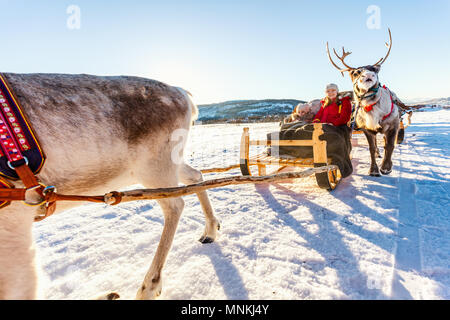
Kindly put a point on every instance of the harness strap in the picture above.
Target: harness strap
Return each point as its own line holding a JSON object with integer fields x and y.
{"x": 27, "y": 176}
{"x": 392, "y": 104}
{"x": 7, "y": 142}
{"x": 12, "y": 194}
{"x": 369, "y": 107}
{"x": 31, "y": 184}
{"x": 53, "y": 197}
{"x": 354, "y": 115}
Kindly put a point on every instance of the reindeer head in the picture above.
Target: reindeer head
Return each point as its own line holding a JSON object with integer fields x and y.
{"x": 363, "y": 77}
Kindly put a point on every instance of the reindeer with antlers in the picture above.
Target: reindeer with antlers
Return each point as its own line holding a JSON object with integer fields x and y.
{"x": 376, "y": 109}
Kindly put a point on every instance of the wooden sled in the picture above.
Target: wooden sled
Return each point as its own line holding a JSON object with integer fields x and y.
{"x": 326, "y": 180}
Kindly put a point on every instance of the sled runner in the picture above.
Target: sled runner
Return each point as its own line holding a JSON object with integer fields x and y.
{"x": 326, "y": 180}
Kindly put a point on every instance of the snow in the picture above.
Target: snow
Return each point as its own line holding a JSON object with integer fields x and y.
{"x": 371, "y": 238}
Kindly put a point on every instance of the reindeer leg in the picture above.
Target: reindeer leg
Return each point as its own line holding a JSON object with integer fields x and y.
{"x": 152, "y": 284}
{"x": 164, "y": 173}
{"x": 377, "y": 150}
{"x": 18, "y": 275}
{"x": 372, "y": 140}
{"x": 389, "y": 140}
{"x": 189, "y": 175}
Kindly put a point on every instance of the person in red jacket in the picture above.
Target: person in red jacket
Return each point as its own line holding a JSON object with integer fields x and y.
{"x": 334, "y": 111}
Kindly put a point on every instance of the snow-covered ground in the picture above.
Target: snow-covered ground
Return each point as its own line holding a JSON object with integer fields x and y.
{"x": 371, "y": 238}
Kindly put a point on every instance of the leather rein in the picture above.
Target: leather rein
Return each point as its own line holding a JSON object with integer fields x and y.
{"x": 47, "y": 194}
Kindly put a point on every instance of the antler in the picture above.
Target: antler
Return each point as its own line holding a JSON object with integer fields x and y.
{"x": 344, "y": 55}
{"x": 389, "y": 45}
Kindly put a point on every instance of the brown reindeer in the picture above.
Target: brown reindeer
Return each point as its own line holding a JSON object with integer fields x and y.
{"x": 376, "y": 110}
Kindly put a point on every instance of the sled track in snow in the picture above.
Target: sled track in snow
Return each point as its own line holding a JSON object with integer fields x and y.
{"x": 407, "y": 253}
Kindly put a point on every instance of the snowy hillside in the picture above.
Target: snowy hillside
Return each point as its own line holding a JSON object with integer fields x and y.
{"x": 428, "y": 101}
{"x": 244, "y": 109}
{"x": 371, "y": 238}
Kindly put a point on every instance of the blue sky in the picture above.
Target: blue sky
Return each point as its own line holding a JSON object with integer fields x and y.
{"x": 227, "y": 50}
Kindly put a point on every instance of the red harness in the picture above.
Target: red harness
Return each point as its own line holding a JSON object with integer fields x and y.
{"x": 369, "y": 107}
{"x": 392, "y": 104}
{"x": 13, "y": 142}
{"x": 21, "y": 158}
{"x": 18, "y": 149}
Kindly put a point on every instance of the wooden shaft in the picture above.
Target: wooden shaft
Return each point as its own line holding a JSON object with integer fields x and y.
{"x": 220, "y": 169}
{"x": 299, "y": 143}
{"x": 159, "y": 193}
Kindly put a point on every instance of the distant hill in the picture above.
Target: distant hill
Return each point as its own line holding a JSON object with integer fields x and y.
{"x": 247, "y": 110}
{"x": 427, "y": 101}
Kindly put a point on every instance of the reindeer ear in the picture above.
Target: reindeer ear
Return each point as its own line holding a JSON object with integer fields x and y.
{"x": 376, "y": 68}
{"x": 354, "y": 73}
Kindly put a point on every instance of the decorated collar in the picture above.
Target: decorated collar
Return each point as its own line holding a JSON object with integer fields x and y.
{"x": 370, "y": 93}
{"x": 369, "y": 107}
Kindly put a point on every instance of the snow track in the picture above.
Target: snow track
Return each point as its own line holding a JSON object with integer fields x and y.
{"x": 423, "y": 185}
{"x": 408, "y": 253}
{"x": 371, "y": 238}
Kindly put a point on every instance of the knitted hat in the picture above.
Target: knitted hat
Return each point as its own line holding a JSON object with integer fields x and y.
{"x": 332, "y": 86}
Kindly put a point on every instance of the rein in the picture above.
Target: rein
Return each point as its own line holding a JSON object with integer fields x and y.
{"x": 392, "y": 104}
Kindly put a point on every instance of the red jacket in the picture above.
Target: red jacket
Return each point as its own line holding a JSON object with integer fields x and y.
{"x": 337, "y": 114}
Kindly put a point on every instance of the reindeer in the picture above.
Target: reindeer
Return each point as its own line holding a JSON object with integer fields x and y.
{"x": 376, "y": 108}
{"x": 99, "y": 134}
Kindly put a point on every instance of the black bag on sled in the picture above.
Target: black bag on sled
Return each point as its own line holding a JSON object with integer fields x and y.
{"x": 338, "y": 143}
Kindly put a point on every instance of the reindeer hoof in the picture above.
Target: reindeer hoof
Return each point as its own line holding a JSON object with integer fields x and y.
{"x": 113, "y": 296}
{"x": 386, "y": 172}
{"x": 375, "y": 174}
{"x": 146, "y": 293}
{"x": 108, "y": 296}
{"x": 206, "y": 239}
